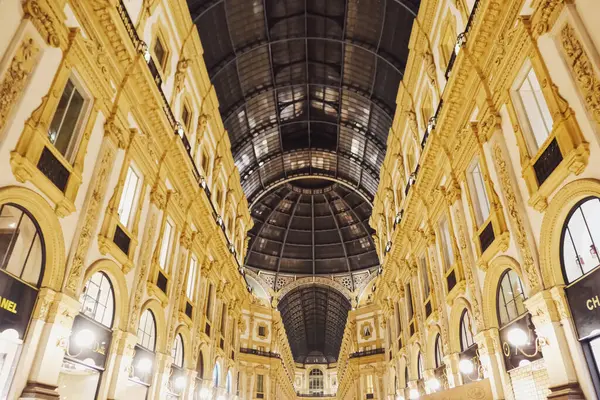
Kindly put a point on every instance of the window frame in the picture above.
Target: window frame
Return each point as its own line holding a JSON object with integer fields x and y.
{"x": 134, "y": 200}
{"x": 79, "y": 127}
{"x": 438, "y": 351}
{"x": 476, "y": 198}
{"x": 178, "y": 351}
{"x": 563, "y": 238}
{"x": 150, "y": 335}
{"x": 96, "y": 301}
{"x": 165, "y": 257}
{"x": 448, "y": 256}
{"x": 513, "y": 300}
{"x": 191, "y": 279}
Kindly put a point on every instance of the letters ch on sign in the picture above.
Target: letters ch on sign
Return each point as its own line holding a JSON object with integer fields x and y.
{"x": 592, "y": 303}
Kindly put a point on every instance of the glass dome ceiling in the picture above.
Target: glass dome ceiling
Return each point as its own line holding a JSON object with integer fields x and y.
{"x": 311, "y": 227}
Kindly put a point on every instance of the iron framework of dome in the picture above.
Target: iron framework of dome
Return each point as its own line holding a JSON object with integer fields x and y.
{"x": 306, "y": 228}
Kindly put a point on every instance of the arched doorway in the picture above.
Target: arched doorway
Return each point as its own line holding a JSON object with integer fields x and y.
{"x": 22, "y": 266}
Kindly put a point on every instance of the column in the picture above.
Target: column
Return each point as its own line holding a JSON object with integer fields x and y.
{"x": 161, "y": 376}
{"x": 555, "y": 349}
{"x": 380, "y": 389}
{"x": 452, "y": 372}
{"x": 53, "y": 319}
{"x": 118, "y": 364}
{"x": 428, "y": 374}
{"x": 190, "y": 384}
{"x": 492, "y": 360}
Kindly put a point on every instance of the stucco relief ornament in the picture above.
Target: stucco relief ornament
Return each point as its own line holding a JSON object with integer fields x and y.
{"x": 430, "y": 68}
{"x": 15, "y": 77}
{"x": 43, "y": 21}
{"x": 182, "y": 66}
{"x": 412, "y": 124}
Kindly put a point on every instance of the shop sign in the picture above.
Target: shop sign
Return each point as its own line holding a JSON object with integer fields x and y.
{"x": 97, "y": 347}
{"x": 584, "y": 300}
{"x": 17, "y": 300}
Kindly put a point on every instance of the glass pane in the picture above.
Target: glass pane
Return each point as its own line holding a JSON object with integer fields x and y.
{"x": 21, "y": 252}
{"x": 591, "y": 212}
{"x": 536, "y": 108}
{"x": 98, "y": 299}
{"x": 191, "y": 278}
{"x": 76, "y": 381}
{"x": 147, "y": 331}
{"x": 595, "y": 347}
{"x": 60, "y": 112}
{"x": 481, "y": 202}
{"x": 126, "y": 204}
{"x": 67, "y": 136}
{"x": 165, "y": 246}
{"x": 583, "y": 241}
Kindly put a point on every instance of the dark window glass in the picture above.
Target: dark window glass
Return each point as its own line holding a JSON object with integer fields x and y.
{"x": 439, "y": 354}
{"x": 160, "y": 53}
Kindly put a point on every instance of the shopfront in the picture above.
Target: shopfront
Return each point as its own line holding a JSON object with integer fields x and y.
{"x": 580, "y": 263}
{"x": 89, "y": 342}
{"x": 22, "y": 262}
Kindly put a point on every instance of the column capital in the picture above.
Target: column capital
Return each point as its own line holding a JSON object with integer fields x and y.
{"x": 543, "y": 308}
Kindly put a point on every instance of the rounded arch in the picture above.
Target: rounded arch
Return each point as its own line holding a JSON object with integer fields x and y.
{"x": 202, "y": 361}
{"x": 311, "y": 280}
{"x": 460, "y": 304}
{"x": 415, "y": 351}
{"x": 186, "y": 336}
{"x": 552, "y": 226}
{"x": 432, "y": 334}
{"x": 161, "y": 325}
{"x": 217, "y": 373}
{"x": 120, "y": 290}
{"x": 402, "y": 371}
{"x": 493, "y": 275}
{"x": 45, "y": 217}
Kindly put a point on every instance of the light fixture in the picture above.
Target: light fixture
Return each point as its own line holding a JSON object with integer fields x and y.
{"x": 10, "y": 334}
{"x": 399, "y": 397}
{"x": 398, "y": 217}
{"x": 180, "y": 382}
{"x": 388, "y": 246}
{"x": 412, "y": 178}
{"x": 517, "y": 337}
{"x": 219, "y": 220}
{"x": 431, "y": 124}
{"x": 89, "y": 361}
{"x": 461, "y": 40}
{"x": 434, "y": 384}
{"x": 203, "y": 182}
{"x": 144, "y": 365}
{"x": 179, "y": 129}
{"x": 232, "y": 248}
{"x": 260, "y": 164}
{"x": 145, "y": 51}
{"x": 414, "y": 394}
{"x": 466, "y": 366}
{"x": 12, "y": 225}
{"x": 221, "y": 397}
{"x": 84, "y": 338}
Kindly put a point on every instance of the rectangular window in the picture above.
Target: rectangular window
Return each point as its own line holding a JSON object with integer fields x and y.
{"x": 205, "y": 161}
{"x": 191, "y": 278}
{"x": 209, "y": 301}
{"x": 186, "y": 117}
{"x": 398, "y": 321}
{"x": 480, "y": 200}
{"x": 536, "y": 109}
{"x": 260, "y": 383}
{"x": 160, "y": 53}
{"x": 223, "y": 318}
{"x": 369, "y": 383}
{"x": 425, "y": 277}
{"x": 446, "y": 244}
{"x": 355, "y": 147}
{"x": 409, "y": 302}
{"x": 165, "y": 246}
{"x": 128, "y": 197}
{"x": 67, "y": 123}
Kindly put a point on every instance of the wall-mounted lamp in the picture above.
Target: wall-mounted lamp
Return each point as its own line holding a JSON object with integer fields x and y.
{"x": 388, "y": 246}
{"x": 398, "y": 217}
{"x": 143, "y": 48}
{"x": 412, "y": 178}
{"x": 518, "y": 338}
{"x": 204, "y": 393}
{"x": 431, "y": 124}
{"x": 203, "y": 182}
{"x": 179, "y": 129}
{"x": 219, "y": 220}
{"x": 433, "y": 384}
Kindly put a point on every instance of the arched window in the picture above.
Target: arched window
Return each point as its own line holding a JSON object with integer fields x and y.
{"x": 215, "y": 376}
{"x": 406, "y": 376}
{"x": 579, "y": 237}
{"x": 21, "y": 245}
{"x": 177, "y": 351}
{"x": 439, "y": 354}
{"x": 98, "y": 299}
{"x": 147, "y": 331}
{"x": 228, "y": 383}
{"x": 511, "y": 297}
{"x": 315, "y": 380}
{"x": 466, "y": 331}
{"x": 420, "y": 367}
{"x": 200, "y": 366}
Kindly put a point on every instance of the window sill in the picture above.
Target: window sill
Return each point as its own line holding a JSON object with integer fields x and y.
{"x": 153, "y": 288}
{"x": 575, "y": 154}
{"x": 24, "y": 165}
{"x": 457, "y": 290}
